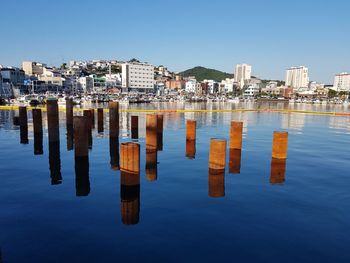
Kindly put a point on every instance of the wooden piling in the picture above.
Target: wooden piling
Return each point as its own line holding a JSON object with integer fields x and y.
{"x": 278, "y": 169}
{"x": 216, "y": 183}
{"x": 159, "y": 132}
{"x": 236, "y": 132}
{"x": 190, "y": 149}
{"x": 151, "y": 132}
{"x": 92, "y": 118}
{"x": 279, "y": 145}
{"x": 129, "y": 197}
{"x": 217, "y": 154}
{"x": 100, "y": 120}
{"x": 130, "y": 157}
{"x": 151, "y": 164}
{"x": 69, "y": 112}
{"x": 52, "y": 120}
{"x": 38, "y": 131}
{"x": 191, "y": 130}
{"x": 113, "y": 119}
{"x": 23, "y": 125}
{"x": 15, "y": 120}
{"x": 134, "y": 127}
{"x": 88, "y": 115}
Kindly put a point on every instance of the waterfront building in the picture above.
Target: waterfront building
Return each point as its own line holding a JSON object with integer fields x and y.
{"x": 137, "y": 77}
{"x": 51, "y": 77}
{"x": 190, "y": 85}
{"x": 251, "y": 90}
{"x": 15, "y": 76}
{"x": 227, "y": 85}
{"x": 85, "y": 84}
{"x": 242, "y": 74}
{"x": 175, "y": 84}
{"x": 33, "y": 68}
{"x": 297, "y": 77}
{"x": 342, "y": 82}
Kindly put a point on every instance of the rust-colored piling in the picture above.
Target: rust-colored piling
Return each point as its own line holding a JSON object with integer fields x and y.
{"x": 69, "y": 112}
{"x": 216, "y": 183}
{"x": 52, "y": 120}
{"x": 278, "y": 169}
{"x": 88, "y": 115}
{"x": 100, "y": 120}
{"x": 151, "y": 165}
{"x": 151, "y": 131}
{"x": 191, "y": 130}
{"x": 134, "y": 127}
{"x": 236, "y": 132}
{"x": 23, "y": 125}
{"x": 129, "y": 197}
{"x": 114, "y": 152}
{"x": 234, "y": 165}
{"x": 81, "y": 153}
{"x": 38, "y": 131}
{"x": 279, "y": 145}
{"x": 92, "y": 118}
{"x": 190, "y": 149}
{"x": 159, "y": 132}
{"x": 130, "y": 157}
{"x": 113, "y": 119}
{"x": 217, "y": 154}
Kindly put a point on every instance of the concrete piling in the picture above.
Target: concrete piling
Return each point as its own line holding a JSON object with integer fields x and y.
{"x": 134, "y": 127}
{"x": 159, "y": 132}
{"x": 279, "y": 145}
{"x": 236, "y": 132}
{"x": 23, "y": 125}
{"x": 100, "y": 120}
{"x": 81, "y": 155}
{"x": 38, "y": 131}
{"x": 235, "y": 161}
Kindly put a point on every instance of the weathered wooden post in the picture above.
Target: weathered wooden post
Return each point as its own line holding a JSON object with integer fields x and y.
{"x": 234, "y": 166}
{"x": 134, "y": 127}
{"x": 38, "y": 131}
{"x": 278, "y": 169}
{"x": 151, "y": 147}
{"x": 191, "y": 130}
{"x": 88, "y": 114}
{"x": 190, "y": 149}
{"x": 279, "y": 145}
{"x": 23, "y": 125}
{"x": 69, "y": 112}
{"x": 100, "y": 120}
{"x": 159, "y": 132}
{"x": 92, "y": 118}
{"x": 236, "y": 132}
{"x": 114, "y": 134}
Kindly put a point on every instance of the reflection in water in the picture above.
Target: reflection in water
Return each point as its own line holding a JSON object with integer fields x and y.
{"x": 82, "y": 181}
{"x": 151, "y": 165}
{"x": 190, "y": 149}
{"x": 216, "y": 179}
{"x": 234, "y": 165}
{"x": 278, "y": 169}
{"x": 114, "y": 152}
{"x": 23, "y": 129}
{"x": 55, "y": 163}
{"x": 38, "y": 143}
{"x": 130, "y": 197}
{"x": 70, "y": 137}
{"x": 23, "y": 125}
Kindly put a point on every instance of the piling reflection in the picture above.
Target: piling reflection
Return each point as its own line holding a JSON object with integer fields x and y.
{"x": 234, "y": 165}
{"x": 134, "y": 127}
{"x": 278, "y": 170}
{"x": 114, "y": 152}
{"x": 38, "y": 131}
{"x": 88, "y": 114}
{"x": 55, "y": 163}
{"x": 23, "y": 125}
{"x": 190, "y": 149}
{"x": 70, "y": 137}
{"x": 38, "y": 144}
{"x": 216, "y": 182}
{"x": 151, "y": 164}
{"x": 130, "y": 197}
{"x": 82, "y": 181}
{"x": 160, "y": 132}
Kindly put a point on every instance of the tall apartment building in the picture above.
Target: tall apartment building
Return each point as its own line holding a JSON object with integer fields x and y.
{"x": 297, "y": 77}
{"x": 33, "y": 68}
{"x": 242, "y": 74}
{"x": 342, "y": 82}
{"x": 137, "y": 77}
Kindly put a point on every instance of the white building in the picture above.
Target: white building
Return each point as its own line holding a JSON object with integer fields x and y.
{"x": 242, "y": 74}
{"x": 251, "y": 90}
{"x": 342, "y": 82}
{"x": 138, "y": 77}
{"x": 85, "y": 84}
{"x": 33, "y": 68}
{"x": 190, "y": 85}
{"x": 297, "y": 77}
{"x": 51, "y": 77}
{"x": 228, "y": 84}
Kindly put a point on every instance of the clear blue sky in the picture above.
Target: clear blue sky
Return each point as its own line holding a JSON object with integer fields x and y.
{"x": 271, "y": 35}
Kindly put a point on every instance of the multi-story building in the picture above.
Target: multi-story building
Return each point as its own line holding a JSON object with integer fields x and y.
{"x": 175, "y": 84}
{"x": 227, "y": 85}
{"x": 251, "y": 90}
{"x": 33, "y": 68}
{"x": 137, "y": 77}
{"x": 297, "y": 77}
{"x": 342, "y": 82}
{"x": 242, "y": 74}
{"x": 85, "y": 84}
{"x": 51, "y": 77}
{"x": 190, "y": 85}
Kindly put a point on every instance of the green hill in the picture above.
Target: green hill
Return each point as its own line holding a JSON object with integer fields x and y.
{"x": 202, "y": 73}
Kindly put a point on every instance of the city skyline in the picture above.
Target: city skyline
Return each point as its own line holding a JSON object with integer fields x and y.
{"x": 182, "y": 36}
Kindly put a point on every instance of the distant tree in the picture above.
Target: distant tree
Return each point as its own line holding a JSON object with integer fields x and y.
{"x": 134, "y": 60}
{"x": 332, "y": 93}
{"x": 64, "y": 66}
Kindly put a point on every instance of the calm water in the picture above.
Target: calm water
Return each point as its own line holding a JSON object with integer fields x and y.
{"x": 262, "y": 216}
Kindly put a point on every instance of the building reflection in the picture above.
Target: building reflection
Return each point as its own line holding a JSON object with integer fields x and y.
{"x": 82, "y": 181}
{"x": 151, "y": 164}
{"x": 234, "y": 165}
{"x": 278, "y": 170}
{"x": 114, "y": 152}
{"x": 216, "y": 183}
{"x": 130, "y": 197}
{"x": 190, "y": 149}
{"x": 55, "y": 162}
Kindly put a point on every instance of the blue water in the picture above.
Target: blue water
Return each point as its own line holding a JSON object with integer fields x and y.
{"x": 304, "y": 217}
